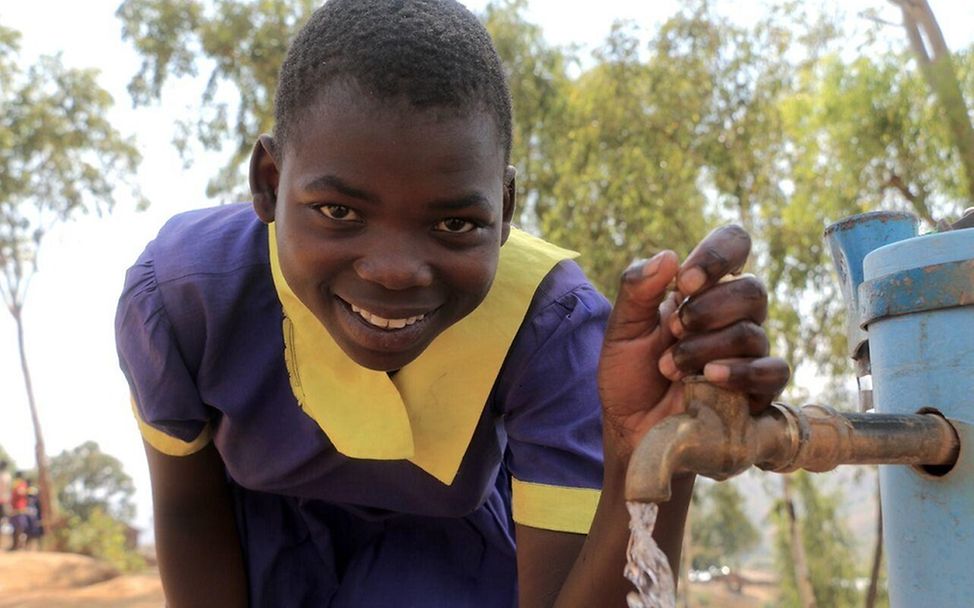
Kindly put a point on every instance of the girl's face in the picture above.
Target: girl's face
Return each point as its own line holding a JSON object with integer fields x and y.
{"x": 389, "y": 219}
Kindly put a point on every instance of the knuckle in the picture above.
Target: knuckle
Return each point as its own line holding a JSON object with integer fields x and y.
{"x": 774, "y": 373}
{"x": 735, "y": 232}
{"x": 751, "y": 289}
{"x": 681, "y": 353}
{"x": 751, "y": 337}
{"x": 714, "y": 260}
{"x": 753, "y": 295}
{"x": 685, "y": 355}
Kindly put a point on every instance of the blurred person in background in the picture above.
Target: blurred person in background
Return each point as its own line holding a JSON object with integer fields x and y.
{"x": 18, "y": 510}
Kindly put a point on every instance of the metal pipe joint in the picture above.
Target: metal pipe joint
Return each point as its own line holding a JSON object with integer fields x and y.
{"x": 718, "y": 438}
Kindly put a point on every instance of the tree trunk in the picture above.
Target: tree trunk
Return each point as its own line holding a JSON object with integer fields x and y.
{"x": 40, "y": 454}
{"x": 933, "y": 57}
{"x": 877, "y": 553}
{"x": 687, "y": 558}
{"x": 806, "y": 595}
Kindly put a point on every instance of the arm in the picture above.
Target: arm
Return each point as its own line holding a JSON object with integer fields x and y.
{"x": 586, "y": 570}
{"x": 653, "y": 340}
{"x": 200, "y": 559}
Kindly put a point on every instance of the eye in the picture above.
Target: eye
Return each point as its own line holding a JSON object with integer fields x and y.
{"x": 339, "y": 213}
{"x": 454, "y": 225}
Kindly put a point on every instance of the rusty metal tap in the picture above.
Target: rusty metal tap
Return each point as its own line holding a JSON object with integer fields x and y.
{"x": 718, "y": 438}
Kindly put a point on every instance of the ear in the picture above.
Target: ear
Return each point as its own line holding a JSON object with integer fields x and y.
{"x": 264, "y": 177}
{"x": 510, "y": 197}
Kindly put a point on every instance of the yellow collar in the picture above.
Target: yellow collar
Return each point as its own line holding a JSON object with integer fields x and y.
{"x": 427, "y": 412}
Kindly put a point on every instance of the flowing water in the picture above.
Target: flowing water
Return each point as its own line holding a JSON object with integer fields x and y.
{"x": 647, "y": 567}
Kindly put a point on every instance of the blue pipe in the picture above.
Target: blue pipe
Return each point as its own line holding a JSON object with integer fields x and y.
{"x": 917, "y": 305}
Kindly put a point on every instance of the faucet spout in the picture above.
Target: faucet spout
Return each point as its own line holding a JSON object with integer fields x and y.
{"x": 718, "y": 438}
{"x": 710, "y": 438}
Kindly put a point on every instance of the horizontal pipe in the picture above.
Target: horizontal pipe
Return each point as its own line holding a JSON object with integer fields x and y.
{"x": 717, "y": 438}
{"x": 827, "y": 438}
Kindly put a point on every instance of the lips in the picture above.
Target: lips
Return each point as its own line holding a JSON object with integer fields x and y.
{"x": 382, "y": 322}
{"x": 383, "y": 331}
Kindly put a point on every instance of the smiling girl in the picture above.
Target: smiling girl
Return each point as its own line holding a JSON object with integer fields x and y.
{"x": 368, "y": 389}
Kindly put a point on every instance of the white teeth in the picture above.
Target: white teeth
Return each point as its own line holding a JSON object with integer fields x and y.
{"x": 385, "y": 323}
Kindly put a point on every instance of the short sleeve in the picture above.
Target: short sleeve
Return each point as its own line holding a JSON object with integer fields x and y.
{"x": 165, "y": 400}
{"x": 551, "y": 408}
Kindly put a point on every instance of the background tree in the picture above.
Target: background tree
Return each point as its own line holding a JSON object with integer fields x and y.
{"x": 59, "y": 157}
{"x": 537, "y": 74}
{"x": 241, "y": 43}
{"x": 87, "y": 479}
{"x": 821, "y": 540}
{"x": 937, "y": 67}
{"x": 652, "y": 140}
{"x": 722, "y": 532}
{"x": 95, "y": 494}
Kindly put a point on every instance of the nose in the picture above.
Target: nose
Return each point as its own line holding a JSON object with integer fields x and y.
{"x": 395, "y": 268}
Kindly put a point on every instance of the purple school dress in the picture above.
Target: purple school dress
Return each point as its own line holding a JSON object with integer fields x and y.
{"x": 199, "y": 332}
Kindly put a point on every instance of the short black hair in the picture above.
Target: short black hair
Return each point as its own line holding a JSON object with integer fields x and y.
{"x": 431, "y": 53}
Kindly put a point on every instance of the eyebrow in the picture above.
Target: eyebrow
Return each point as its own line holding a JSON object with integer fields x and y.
{"x": 333, "y": 182}
{"x": 474, "y": 199}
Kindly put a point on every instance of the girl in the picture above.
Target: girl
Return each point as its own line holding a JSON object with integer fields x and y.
{"x": 363, "y": 388}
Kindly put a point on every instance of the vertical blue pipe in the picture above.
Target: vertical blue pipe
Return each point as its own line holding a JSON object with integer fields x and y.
{"x": 849, "y": 240}
{"x": 917, "y": 307}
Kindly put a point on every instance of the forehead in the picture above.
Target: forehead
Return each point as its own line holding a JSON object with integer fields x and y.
{"x": 343, "y": 113}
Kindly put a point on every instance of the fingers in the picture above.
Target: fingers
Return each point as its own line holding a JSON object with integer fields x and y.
{"x": 723, "y": 251}
{"x": 741, "y": 299}
{"x": 691, "y": 354}
{"x": 642, "y": 290}
{"x": 762, "y": 379}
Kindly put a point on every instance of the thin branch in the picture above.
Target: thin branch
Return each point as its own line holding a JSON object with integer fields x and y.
{"x": 875, "y": 19}
{"x": 918, "y": 201}
{"x": 933, "y": 57}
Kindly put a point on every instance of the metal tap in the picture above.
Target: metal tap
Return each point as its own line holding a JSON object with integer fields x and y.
{"x": 717, "y": 437}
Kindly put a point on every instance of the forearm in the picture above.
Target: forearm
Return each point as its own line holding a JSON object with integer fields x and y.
{"x": 596, "y": 579}
{"x": 197, "y": 544}
{"x": 200, "y": 561}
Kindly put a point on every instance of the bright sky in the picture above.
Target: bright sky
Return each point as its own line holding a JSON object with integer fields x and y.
{"x": 70, "y": 309}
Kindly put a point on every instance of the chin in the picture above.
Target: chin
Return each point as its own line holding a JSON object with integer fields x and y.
{"x": 383, "y": 362}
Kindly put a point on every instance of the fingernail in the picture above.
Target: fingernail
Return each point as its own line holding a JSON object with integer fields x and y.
{"x": 715, "y": 372}
{"x": 691, "y": 280}
{"x": 667, "y": 366}
{"x": 676, "y": 326}
{"x": 642, "y": 269}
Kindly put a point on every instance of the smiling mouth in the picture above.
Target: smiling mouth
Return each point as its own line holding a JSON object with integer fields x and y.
{"x": 383, "y": 323}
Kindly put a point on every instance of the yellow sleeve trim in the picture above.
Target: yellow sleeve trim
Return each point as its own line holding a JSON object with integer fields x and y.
{"x": 554, "y": 507}
{"x": 167, "y": 444}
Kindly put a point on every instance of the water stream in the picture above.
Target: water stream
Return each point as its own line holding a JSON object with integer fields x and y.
{"x": 647, "y": 568}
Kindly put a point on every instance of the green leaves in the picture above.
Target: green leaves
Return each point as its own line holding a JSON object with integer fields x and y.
{"x": 830, "y": 555}
{"x": 722, "y": 531}
{"x": 657, "y": 136}
{"x": 59, "y": 156}
{"x": 87, "y": 479}
{"x": 239, "y": 45}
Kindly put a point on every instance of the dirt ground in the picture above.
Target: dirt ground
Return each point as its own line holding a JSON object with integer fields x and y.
{"x": 61, "y": 580}
{"x": 716, "y": 595}
{"x": 30, "y": 579}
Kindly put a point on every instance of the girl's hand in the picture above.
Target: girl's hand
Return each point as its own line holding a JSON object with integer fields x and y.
{"x": 655, "y": 338}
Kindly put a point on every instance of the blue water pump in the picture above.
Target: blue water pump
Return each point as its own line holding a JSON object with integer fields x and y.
{"x": 910, "y": 304}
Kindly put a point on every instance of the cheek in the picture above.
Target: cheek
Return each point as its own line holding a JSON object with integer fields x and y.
{"x": 305, "y": 263}
{"x": 474, "y": 274}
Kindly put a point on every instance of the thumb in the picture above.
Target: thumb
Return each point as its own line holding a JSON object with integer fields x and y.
{"x": 641, "y": 291}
